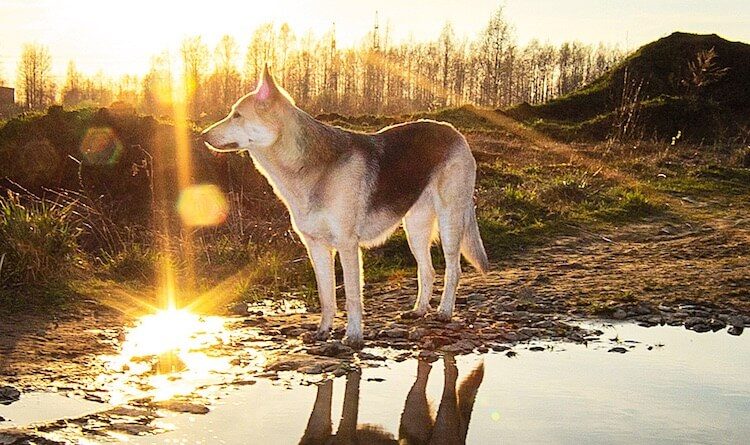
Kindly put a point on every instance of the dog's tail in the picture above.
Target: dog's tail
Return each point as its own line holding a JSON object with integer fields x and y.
{"x": 471, "y": 244}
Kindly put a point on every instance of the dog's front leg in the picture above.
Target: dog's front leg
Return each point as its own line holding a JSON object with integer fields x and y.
{"x": 351, "y": 262}
{"x": 322, "y": 258}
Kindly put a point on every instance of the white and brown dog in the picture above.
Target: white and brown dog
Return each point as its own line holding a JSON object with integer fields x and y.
{"x": 346, "y": 190}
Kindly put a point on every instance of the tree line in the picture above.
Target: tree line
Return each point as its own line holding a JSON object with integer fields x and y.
{"x": 376, "y": 76}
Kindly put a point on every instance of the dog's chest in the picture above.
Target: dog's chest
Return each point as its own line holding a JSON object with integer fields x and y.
{"x": 316, "y": 224}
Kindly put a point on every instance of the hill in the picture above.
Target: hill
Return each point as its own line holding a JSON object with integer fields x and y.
{"x": 698, "y": 85}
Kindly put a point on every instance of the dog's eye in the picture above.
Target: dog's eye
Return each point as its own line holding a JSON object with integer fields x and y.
{"x": 236, "y": 115}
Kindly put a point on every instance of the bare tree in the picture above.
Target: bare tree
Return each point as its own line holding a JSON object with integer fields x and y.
{"x": 195, "y": 60}
{"x": 34, "y": 76}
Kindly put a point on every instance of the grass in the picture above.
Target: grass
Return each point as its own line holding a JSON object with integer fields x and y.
{"x": 525, "y": 197}
{"x": 39, "y": 251}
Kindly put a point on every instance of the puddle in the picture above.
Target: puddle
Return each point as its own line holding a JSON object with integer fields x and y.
{"x": 45, "y": 407}
{"x": 670, "y": 386}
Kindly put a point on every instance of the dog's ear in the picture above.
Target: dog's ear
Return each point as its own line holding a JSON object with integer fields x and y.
{"x": 267, "y": 88}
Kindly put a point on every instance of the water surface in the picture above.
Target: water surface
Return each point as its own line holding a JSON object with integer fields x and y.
{"x": 671, "y": 386}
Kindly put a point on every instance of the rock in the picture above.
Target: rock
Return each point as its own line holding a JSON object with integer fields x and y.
{"x": 736, "y": 321}
{"x": 619, "y": 314}
{"x": 417, "y": 334}
{"x": 239, "y": 308}
{"x": 509, "y": 336}
{"x": 733, "y": 330}
{"x": 454, "y": 326}
{"x": 394, "y": 333}
{"x": 9, "y": 394}
{"x": 291, "y": 331}
{"x": 716, "y": 324}
{"x": 402, "y": 357}
{"x": 536, "y": 348}
{"x": 510, "y": 354}
{"x": 436, "y": 341}
{"x": 500, "y": 348}
{"x": 375, "y": 379}
{"x": 694, "y": 321}
{"x": 460, "y": 347}
{"x": 428, "y": 356}
{"x": 178, "y": 406}
{"x": 368, "y": 356}
{"x": 697, "y": 324}
{"x": 167, "y": 363}
{"x": 618, "y": 349}
{"x": 307, "y": 337}
{"x": 311, "y": 369}
{"x": 254, "y": 321}
{"x": 331, "y": 349}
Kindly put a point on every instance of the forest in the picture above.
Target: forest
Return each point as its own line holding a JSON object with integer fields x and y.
{"x": 377, "y": 76}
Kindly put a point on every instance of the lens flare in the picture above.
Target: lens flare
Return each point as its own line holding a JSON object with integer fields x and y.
{"x": 202, "y": 205}
{"x": 101, "y": 146}
{"x": 38, "y": 160}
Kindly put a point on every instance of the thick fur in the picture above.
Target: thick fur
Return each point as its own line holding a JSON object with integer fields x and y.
{"x": 346, "y": 190}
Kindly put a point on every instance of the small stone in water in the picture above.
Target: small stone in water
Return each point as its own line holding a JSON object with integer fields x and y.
{"x": 9, "y": 394}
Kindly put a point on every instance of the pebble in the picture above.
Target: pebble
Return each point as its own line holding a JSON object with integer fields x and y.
{"x": 619, "y": 314}
{"x": 428, "y": 356}
{"x": 181, "y": 407}
{"x": 618, "y": 349}
{"x": 368, "y": 356}
{"x": 733, "y": 330}
{"x": 9, "y": 394}
{"x": 736, "y": 321}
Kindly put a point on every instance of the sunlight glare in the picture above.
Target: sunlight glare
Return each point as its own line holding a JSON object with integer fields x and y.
{"x": 164, "y": 352}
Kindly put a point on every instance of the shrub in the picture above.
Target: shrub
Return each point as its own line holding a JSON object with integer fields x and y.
{"x": 38, "y": 243}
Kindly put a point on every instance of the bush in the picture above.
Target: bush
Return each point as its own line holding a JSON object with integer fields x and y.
{"x": 38, "y": 243}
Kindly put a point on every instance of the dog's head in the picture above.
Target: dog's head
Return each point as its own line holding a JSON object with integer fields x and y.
{"x": 254, "y": 122}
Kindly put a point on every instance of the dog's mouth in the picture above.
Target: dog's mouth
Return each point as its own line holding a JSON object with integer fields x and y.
{"x": 232, "y": 146}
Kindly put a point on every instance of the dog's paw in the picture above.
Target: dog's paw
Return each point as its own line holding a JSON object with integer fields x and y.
{"x": 413, "y": 314}
{"x": 354, "y": 342}
{"x": 322, "y": 334}
{"x": 444, "y": 316}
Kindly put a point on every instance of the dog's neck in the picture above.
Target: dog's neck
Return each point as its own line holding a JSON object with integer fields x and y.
{"x": 304, "y": 149}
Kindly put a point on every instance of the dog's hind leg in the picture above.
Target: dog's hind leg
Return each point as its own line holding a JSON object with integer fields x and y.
{"x": 322, "y": 258}
{"x": 419, "y": 224}
{"x": 454, "y": 194}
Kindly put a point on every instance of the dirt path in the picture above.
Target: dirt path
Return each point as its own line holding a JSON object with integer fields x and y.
{"x": 651, "y": 273}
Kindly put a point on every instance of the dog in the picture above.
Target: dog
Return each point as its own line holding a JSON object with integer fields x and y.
{"x": 348, "y": 190}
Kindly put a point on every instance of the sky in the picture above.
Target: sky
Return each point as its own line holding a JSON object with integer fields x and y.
{"x": 120, "y": 37}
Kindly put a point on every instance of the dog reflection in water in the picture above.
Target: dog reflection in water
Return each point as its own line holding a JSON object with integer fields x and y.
{"x": 418, "y": 426}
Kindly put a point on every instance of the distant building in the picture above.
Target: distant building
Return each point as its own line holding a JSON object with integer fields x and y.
{"x": 7, "y": 96}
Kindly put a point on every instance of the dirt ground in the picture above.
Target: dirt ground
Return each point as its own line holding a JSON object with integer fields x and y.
{"x": 653, "y": 272}
{"x": 687, "y": 265}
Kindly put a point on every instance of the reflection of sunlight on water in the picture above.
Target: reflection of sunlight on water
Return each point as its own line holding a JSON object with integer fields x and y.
{"x": 168, "y": 353}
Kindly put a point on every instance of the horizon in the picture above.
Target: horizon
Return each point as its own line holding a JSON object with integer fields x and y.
{"x": 103, "y": 45}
